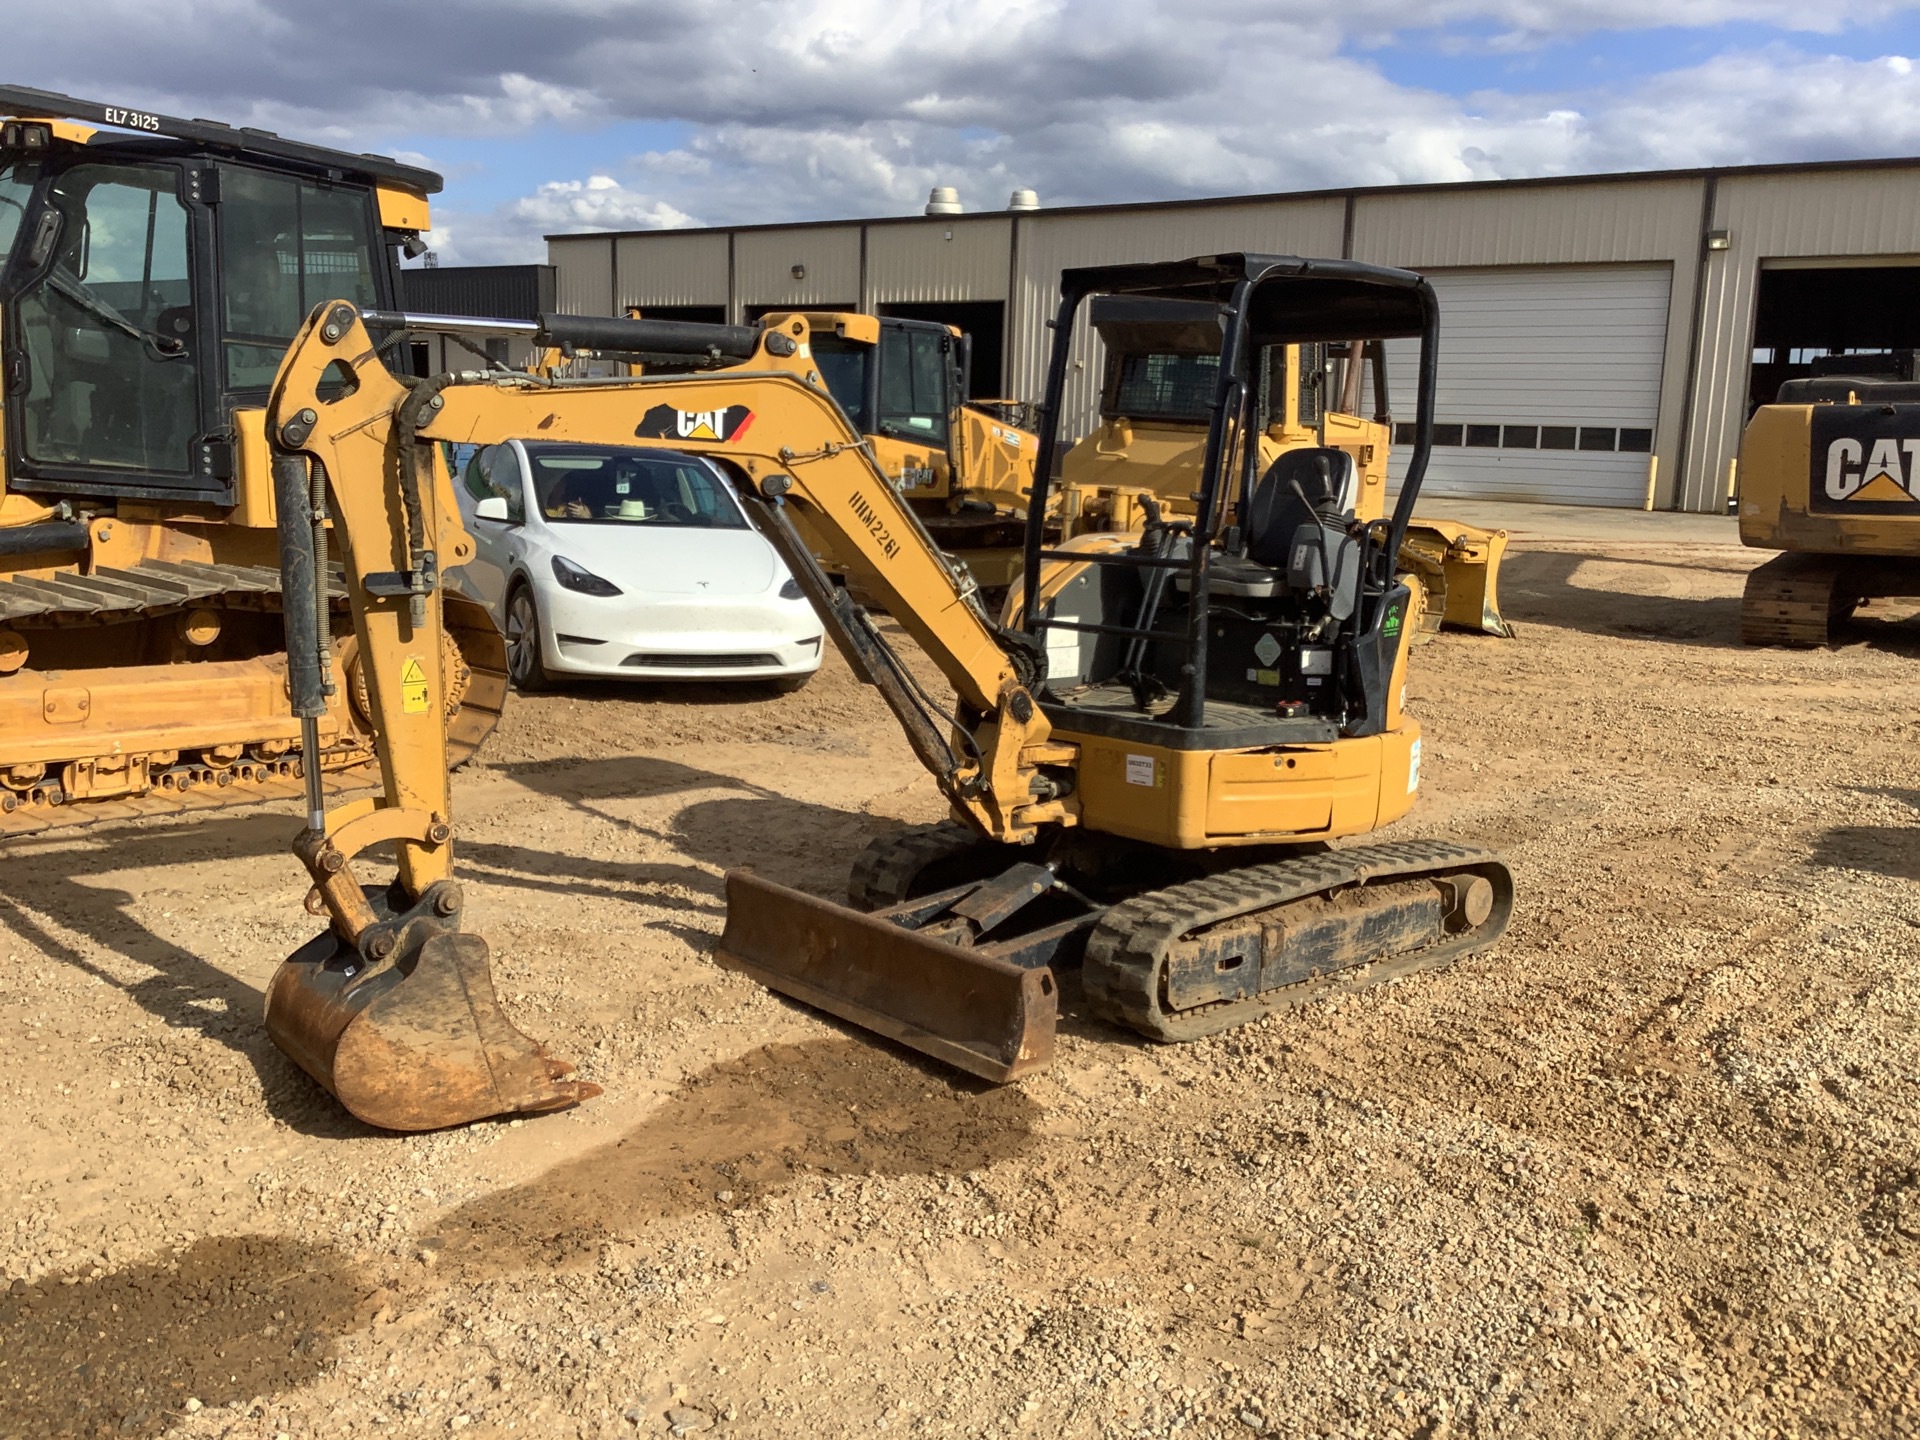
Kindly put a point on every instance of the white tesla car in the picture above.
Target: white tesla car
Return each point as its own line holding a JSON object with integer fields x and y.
{"x": 633, "y": 564}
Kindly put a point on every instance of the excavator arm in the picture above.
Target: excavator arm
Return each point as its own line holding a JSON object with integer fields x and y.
{"x": 393, "y": 1010}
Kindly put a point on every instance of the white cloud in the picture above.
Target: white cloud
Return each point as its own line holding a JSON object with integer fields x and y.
{"x": 814, "y": 108}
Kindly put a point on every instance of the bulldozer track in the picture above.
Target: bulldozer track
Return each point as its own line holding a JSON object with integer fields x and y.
{"x": 1126, "y": 957}
{"x": 1793, "y": 600}
{"x": 476, "y": 679}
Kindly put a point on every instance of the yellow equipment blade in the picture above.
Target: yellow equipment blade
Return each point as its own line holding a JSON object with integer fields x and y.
{"x": 1469, "y": 562}
{"x": 968, "y": 1008}
{"x": 419, "y": 1044}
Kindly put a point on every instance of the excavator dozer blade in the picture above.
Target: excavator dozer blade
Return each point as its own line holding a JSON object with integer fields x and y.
{"x": 418, "y": 1045}
{"x": 970, "y": 1010}
{"x": 1469, "y": 559}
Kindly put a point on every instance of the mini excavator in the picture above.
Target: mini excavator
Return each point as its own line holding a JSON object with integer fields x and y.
{"x": 1147, "y": 761}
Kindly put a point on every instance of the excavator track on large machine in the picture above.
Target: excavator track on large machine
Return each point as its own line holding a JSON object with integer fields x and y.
{"x": 1794, "y": 601}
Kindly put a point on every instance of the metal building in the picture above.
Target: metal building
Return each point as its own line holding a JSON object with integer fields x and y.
{"x": 1603, "y": 337}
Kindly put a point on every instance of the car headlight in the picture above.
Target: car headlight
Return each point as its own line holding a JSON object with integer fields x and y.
{"x": 584, "y": 582}
{"x": 791, "y": 590}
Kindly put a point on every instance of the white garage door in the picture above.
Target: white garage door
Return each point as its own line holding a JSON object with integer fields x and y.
{"x": 1549, "y": 383}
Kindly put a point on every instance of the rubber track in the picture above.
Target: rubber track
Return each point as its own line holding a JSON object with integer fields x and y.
{"x": 1792, "y": 600}
{"x": 884, "y": 872}
{"x": 1127, "y": 950}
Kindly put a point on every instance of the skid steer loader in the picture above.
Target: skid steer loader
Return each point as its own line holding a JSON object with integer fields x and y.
{"x": 1146, "y": 770}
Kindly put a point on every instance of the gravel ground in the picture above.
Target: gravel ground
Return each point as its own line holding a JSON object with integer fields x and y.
{"x": 1646, "y": 1168}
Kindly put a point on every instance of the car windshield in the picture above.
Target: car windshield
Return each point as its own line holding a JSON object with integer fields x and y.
{"x": 583, "y": 485}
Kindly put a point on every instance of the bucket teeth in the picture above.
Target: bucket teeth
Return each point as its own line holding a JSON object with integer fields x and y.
{"x": 419, "y": 1045}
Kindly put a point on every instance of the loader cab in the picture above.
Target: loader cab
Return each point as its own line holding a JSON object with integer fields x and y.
{"x": 898, "y": 379}
{"x": 1268, "y": 613}
{"x": 150, "y": 285}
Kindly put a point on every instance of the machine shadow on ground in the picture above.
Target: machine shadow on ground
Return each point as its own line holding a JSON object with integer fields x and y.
{"x": 1537, "y": 587}
{"x": 228, "y": 1318}
{"x": 185, "y": 992}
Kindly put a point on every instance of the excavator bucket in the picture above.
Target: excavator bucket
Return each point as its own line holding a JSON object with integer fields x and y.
{"x": 419, "y": 1044}
{"x": 969, "y": 1007}
{"x": 1465, "y": 561}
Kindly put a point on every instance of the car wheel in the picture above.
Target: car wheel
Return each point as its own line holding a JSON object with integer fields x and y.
{"x": 524, "y": 664}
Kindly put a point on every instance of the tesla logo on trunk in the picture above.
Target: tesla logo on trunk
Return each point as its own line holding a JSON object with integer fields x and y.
{"x": 664, "y": 422}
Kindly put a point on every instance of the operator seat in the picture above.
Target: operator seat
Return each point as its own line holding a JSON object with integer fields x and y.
{"x": 1297, "y": 523}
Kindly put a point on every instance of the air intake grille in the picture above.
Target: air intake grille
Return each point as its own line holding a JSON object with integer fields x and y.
{"x": 702, "y": 662}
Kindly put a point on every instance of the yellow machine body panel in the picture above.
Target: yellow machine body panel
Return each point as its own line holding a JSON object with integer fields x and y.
{"x": 1845, "y": 492}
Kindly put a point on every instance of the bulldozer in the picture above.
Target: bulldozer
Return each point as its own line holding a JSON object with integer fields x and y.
{"x": 1829, "y": 476}
{"x": 1161, "y": 358}
{"x": 152, "y": 273}
{"x": 1147, "y": 760}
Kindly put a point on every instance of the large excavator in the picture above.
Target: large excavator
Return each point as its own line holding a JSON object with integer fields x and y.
{"x": 1830, "y": 477}
{"x": 152, "y": 273}
{"x": 1147, "y": 764}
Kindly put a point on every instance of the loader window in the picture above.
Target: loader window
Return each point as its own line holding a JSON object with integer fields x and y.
{"x": 1166, "y": 387}
{"x": 285, "y": 246}
{"x": 108, "y": 327}
{"x": 915, "y": 394}
{"x": 843, "y": 365}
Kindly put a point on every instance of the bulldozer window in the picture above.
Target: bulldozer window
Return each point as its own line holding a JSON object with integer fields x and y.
{"x": 916, "y": 375}
{"x": 107, "y": 326}
{"x": 285, "y": 246}
{"x": 16, "y": 186}
{"x": 1166, "y": 387}
{"x": 843, "y": 365}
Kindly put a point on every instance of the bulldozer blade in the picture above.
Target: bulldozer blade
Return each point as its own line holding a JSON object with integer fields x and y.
{"x": 418, "y": 1045}
{"x": 969, "y": 1009}
{"x": 1469, "y": 559}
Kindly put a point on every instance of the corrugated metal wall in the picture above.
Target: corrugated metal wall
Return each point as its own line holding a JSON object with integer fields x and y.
{"x": 1049, "y": 244}
{"x": 669, "y": 268}
{"x": 585, "y": 266}
{"x": 941, "y": 257}
{"x": 763, "y": 262}
{"x": 1657, "y": 220}
{"x": 1766, "y": 216}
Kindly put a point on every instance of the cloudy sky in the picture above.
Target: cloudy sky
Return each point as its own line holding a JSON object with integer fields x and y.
{"x": 560, "y": 115}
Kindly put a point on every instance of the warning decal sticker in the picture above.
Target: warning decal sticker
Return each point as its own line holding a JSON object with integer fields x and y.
{"x": 413, "y": 687}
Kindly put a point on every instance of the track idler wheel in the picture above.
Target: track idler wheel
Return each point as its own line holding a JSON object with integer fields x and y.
{"x": 416, "y": 1039}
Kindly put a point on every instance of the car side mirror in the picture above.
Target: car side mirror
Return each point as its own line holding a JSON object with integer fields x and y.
{"x": 494, "y": 507}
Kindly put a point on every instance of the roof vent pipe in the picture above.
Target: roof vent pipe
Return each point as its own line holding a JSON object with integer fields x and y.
{"x": 943, "y": 200}
{"x": 1023, "y": 200}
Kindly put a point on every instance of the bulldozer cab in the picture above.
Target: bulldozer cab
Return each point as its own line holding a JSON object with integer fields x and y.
{"x": 1270, "y": 613}
{"x": 154, "y": 274}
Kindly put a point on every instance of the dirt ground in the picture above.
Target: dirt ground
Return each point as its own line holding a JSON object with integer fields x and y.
{"x": 1646, "y": 1168}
